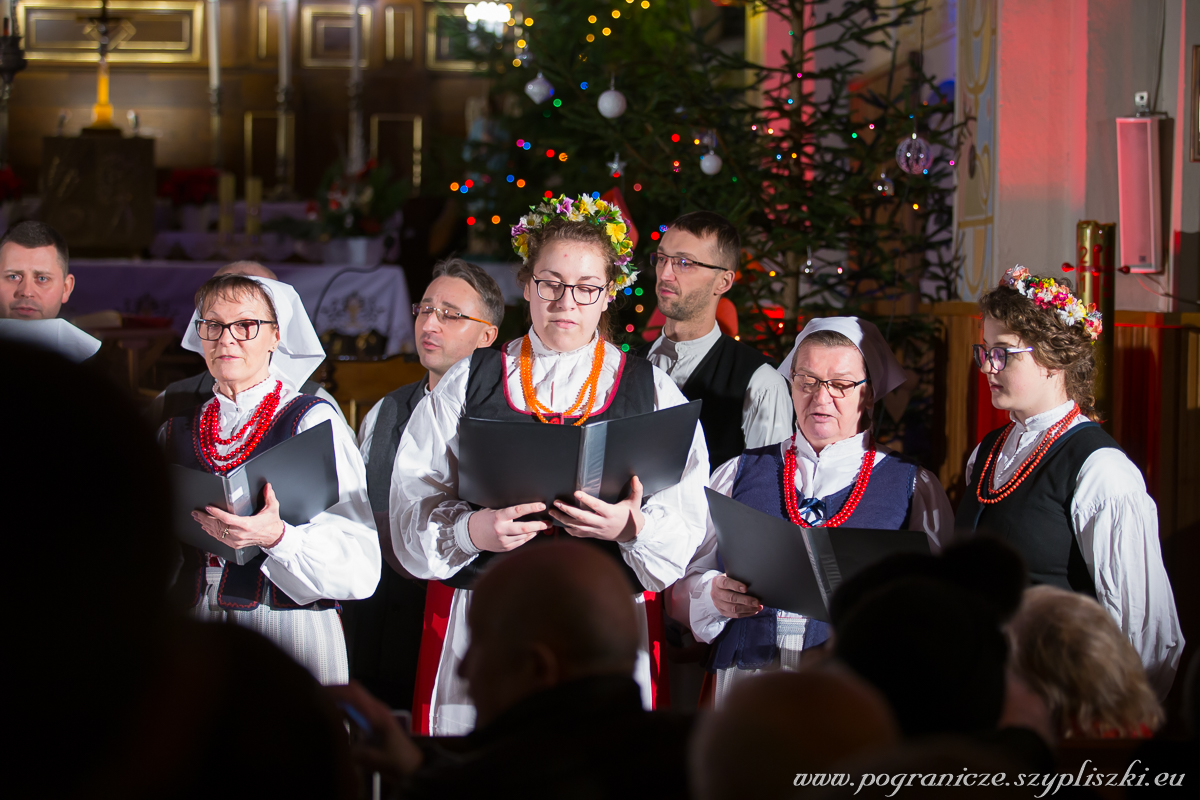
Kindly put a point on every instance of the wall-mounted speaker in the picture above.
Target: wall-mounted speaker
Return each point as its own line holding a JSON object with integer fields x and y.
{"x": 1139, "y": 194}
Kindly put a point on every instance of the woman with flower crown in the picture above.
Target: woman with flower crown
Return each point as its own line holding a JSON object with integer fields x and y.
{"x": 576, "y": 255}
{"x": 1052, "y": 483}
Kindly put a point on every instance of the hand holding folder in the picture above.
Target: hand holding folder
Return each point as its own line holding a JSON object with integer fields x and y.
{"x": 302, "y": 472}
{"x": 793, "y": 568}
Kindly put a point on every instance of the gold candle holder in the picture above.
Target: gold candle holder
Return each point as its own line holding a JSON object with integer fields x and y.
{"x": 254, "y": 195}
{"x": 1095, "y": 245}
{"x": 225, "y": 194}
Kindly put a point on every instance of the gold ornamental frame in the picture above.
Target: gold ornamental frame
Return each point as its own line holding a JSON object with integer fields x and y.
{"x": 188, "y": 49}
{"x": 389, "y": 32}
{"x": 311, "y": 24}
{"x": 248, "y": 143}
{"x": 417, "y": 133}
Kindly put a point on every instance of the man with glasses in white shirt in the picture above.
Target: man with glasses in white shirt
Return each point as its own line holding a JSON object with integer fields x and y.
{"x": 746, "y": 402}
{"x": 460, "y": 311}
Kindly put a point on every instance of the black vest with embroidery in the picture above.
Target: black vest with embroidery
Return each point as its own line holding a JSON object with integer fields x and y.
{"x": 242, "y": 587}
{"x": 487, "y": 398}
{"x": 180, "y": 397}
{"x": 721, "y": 380}
{"x": 1036, "y": 517}
{"x": 395, "y": 409}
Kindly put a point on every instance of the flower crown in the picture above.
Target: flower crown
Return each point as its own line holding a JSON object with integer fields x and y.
{"x": 604, "y": 215}
{"x": 1050, "y": 294}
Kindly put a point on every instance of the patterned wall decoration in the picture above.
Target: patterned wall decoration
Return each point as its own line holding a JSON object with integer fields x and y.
{"x": 166, "y": 32}
{"x": 975, "y": 202}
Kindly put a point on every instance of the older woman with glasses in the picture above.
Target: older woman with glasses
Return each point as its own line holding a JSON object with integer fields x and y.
{"x": 831, "y": 472}
{"x": 260, "y": 347}
{"x": 564, "y": 371}
{"x": 1052, "y": 483}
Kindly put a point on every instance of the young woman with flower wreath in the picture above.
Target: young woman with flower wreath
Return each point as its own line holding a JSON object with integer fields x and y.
{"x": 563, "y": 371}
{"x": 1052, "y": 483}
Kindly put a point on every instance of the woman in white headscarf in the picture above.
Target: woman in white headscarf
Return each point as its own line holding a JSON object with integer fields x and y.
{"x": 260, "y": 347}
{"x": 830, "y": 473}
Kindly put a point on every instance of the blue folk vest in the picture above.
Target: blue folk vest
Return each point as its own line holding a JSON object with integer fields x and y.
{"x": 750, "y": 642}
{"x": 242, "y": 587}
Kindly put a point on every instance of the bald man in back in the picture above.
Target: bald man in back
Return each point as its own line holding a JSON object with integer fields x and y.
{"x": 559, "y": 714}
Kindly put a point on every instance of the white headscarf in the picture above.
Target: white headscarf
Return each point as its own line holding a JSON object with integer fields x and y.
{"x": 883, "y": 369}
{"x": 299, "y": 351}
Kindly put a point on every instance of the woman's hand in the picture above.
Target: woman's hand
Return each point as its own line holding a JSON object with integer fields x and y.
{"x": 616, "y": 522}
{"x": 497, "y": 530}
{"x": 264, "y": 529}
{"x": 731, "y": 599}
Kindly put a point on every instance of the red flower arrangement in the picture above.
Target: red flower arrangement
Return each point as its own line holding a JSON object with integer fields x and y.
{"x": 190, "y": 186}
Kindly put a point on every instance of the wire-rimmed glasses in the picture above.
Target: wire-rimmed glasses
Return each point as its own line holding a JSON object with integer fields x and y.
{"x": 444, "y": 315}
{"x": 242, "y": 330}
{"x": 838, "y": 388}
{"x": 679, "y": 263}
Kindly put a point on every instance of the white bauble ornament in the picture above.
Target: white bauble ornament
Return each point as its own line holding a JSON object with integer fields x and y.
{"x": 539, "y": 89}
{"x": 711, "y": 163}
{"x": 611, "y": 104}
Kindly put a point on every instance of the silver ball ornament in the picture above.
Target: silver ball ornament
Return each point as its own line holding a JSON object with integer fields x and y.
{"x": 912, "y": 154}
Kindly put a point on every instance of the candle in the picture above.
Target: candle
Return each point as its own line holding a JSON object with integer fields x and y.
{"x": 214, "y": 44}
{"x": 356, "y": 45}
{"x": 285, "y": 58}
{"x": 254, "y": 193}
{"x": 225, "y": 191}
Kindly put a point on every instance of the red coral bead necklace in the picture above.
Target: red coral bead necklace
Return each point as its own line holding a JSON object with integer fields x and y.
{"x": 258, "y": 425}
{"x": 856, "y": 493}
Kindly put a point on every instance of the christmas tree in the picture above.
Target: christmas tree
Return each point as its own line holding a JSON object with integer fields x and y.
{"x": 793, "y": 147}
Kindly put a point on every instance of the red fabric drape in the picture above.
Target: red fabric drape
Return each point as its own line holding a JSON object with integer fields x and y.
{"x": 660, "y": 684}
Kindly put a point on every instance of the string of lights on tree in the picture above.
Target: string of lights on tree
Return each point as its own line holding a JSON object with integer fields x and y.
{"x": 841, "y": 187}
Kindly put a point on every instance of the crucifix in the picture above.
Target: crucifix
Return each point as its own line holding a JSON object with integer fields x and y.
{"x": 109, "y": 33}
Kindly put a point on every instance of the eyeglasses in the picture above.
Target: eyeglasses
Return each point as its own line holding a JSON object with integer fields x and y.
{"x": 810, "y": 385}
{"x": 444, "y": 315}
{"x": 679, "y": 263}
{"x": 997, "y": 357}
{"x": 243, "y": 330}
{"x": 584, "y": 294}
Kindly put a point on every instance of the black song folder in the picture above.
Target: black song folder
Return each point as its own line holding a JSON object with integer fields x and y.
{"x": 794, "y": 568}
{"x": 503, "y": 464}
{"x": 302, "y": 470}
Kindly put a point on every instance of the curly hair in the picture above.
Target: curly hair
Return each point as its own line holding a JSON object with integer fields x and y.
{"x": 562, "y": 230}
{"x": 1068, "y": 649}
{"x": 1055, "y": 344}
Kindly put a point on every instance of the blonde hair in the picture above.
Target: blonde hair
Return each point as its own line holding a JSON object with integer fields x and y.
{"x": 1068, "y": 649}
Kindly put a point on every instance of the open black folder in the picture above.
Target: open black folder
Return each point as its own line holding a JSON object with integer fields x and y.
{"x": 793, "y": 568}
{"x": 301, "y": 470}
{"x": 502, "y": 464}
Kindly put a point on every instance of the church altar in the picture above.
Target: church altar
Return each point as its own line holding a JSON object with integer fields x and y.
{"x": 355, "y": 302}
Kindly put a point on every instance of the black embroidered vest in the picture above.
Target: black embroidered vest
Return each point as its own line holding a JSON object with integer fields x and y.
{"x": 243, "y": 587}
{"x": 721, "y": 380}
{"x": 1036, "y": 517}
{"x": 487, "y": 398}
{"x": 395, "y": 409}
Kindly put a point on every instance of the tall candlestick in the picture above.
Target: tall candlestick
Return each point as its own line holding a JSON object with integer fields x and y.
{"x": 214, "y": 78}
{"x": 285, "y": 57}
{"x": 355, "y": 156}
{"x": 226, "y": 186}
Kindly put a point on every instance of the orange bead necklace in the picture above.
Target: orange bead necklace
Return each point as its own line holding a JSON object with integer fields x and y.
{"x": 588, "y": 393}
{"x": 983, "y": 490}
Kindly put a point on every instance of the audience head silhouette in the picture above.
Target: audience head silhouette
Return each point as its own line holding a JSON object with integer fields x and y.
{"x": 1069, "y": 650}
{"x": 935, "y": 650}
{"x": 544, "y": 616}
{"x": 250, "y": 269}
{"x": 803, "y": 721}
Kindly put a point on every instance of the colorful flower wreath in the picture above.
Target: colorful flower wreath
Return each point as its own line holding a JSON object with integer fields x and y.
{"x": 1050, "y": 294}
{"x": 584, "y": 208}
